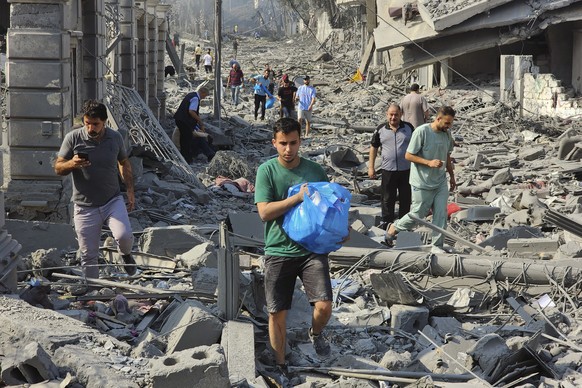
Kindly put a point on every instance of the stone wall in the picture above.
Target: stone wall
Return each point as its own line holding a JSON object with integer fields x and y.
{"x": 543, "y": 94}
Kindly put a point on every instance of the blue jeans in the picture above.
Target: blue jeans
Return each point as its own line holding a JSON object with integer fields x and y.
{"x": 235, "y": 91}
{"x": 88, "y": 222}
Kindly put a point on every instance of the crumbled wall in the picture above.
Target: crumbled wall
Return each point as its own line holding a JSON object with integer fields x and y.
{"x": 544, "y": 95}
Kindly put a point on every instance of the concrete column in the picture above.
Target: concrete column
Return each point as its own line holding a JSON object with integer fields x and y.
{"x": 128, "y": 44}
{"x": 430, "y": 80}
{"x": 521, "y": 64}
{"x": 506, "y": 78}
{"x": 153, "y": 102}
{"x": 162, "y": 11}
{"x": 112, "y": 40}
{"x": 143, "y": 53}
{"x": 576, "y": 64}
{"x": 94, "y": 49}
{"x": 38, "y": 77}
{"x": 39, "y": 104}
{"x": 446, "y": 73}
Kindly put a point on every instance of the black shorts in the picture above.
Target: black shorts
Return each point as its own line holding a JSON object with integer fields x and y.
{"x": 280, "y": 275}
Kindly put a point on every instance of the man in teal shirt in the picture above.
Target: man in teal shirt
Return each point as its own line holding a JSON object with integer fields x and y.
{"x": 285, "y": 260}
{"x": 430, "y": 153}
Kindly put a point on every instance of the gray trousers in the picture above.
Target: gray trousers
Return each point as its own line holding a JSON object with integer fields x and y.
{"x": 88, "y": 223}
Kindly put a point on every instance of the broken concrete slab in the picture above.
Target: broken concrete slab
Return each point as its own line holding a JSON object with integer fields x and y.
{"x": 191, "y": 325}
{"x": 34, "y": 235}
{"x": 28, "y": 365}
{"x": 198, "y": 367}
{"x": 170, "y": 240}
{"x": 441, "y": 15}
{"x": 238, "y": 342}
{"x": 408, "y": 318}
{"x": 202, "y": 255}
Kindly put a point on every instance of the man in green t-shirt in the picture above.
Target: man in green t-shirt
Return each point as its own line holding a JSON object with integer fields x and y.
{"x": 285, "y": 260}
{"x": 430, "y": 153}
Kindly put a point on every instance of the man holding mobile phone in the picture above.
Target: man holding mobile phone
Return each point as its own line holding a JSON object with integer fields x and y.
{"x": 94, "y": 155}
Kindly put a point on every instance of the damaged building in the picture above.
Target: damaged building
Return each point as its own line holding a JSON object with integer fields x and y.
{"x": 499, "y": 307}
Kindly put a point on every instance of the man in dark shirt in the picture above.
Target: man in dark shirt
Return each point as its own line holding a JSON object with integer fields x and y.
{"x": 95, "y": 156}
{"x": 393, "y": 136}
{"x": 286, "y": 95}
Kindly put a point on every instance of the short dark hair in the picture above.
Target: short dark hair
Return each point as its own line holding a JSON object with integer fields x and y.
{"x": 414, "y": 87}
{"x": 286, "y": 125}
{"x": 446, "y": 111}
{"x": 94, "y": 109}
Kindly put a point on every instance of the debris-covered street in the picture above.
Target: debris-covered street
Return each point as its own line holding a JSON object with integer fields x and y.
{"x": 496, "y": 306}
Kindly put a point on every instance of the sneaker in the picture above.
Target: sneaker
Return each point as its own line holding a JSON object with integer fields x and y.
{"x": 280, "y": 376}
{"x": 130, "y": 268}
{"x": 320, "y": 343}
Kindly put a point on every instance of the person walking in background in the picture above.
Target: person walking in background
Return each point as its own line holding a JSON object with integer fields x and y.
{"x": 430, "y": 153}
{"x": 198, "y": 54}
{"x": 261, "y": 83}
{"x": 306, "y": 97}
{"x": 234, "y": 81}
{"x": 414, "y": 107}
{"x": 207, "y": 60}
{"x": 95, "y": 155}
{"x": 271, "y": 77}
{"x": 394, "y": 137}
{"x": 286, "y": 95}
{"x": 188, "y": 121}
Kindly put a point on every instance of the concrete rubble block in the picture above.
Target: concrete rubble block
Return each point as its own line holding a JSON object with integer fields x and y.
{"x": 481, "y": 213}
{"x": 202, "y": 255}
{"x": 567, "y": 149}
{"x": 570, "y": 360}
{"x": 445, "y": 325}
{"x": 408, "y": 318}
{"x": 502, "y": 176}
{"x": 521, "y": 217}
{"x": 369, "y": 215}
{"x": 91, "y": 368}
{"x": 238, "y": 342}
{"x": 170, "y": 240}
{"x": 359, "y": 226}
{"x": 532, "y": 245}
{"x": 394, "y": 360}
{"x": 191, "y": 325}
{"x": 205, "y": 280}
{"x": 199, "y": 367}
{"x": 408, "y": 240}
{"x": 202, "y": 197}
{"x": 534, "y": 153}
{"x": 147, "y": 345}
{"x": 431, "y": 333}
{"x": 488, "y": 350}
{"x": 392, "y": 289}
{"x": 28, "y": 365}
{"x": 45, "y": 258}
{"x": 434, "y": 360}
{"x": 570, "y": 249}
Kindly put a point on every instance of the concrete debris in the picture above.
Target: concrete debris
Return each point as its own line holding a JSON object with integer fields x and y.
{"x": 484, "y": 311}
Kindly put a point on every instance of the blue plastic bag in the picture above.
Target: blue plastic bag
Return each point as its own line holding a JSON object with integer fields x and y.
{"x": 320, "y": 222}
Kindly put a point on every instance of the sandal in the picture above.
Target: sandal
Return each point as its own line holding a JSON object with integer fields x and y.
{"x": 389, "y": 238}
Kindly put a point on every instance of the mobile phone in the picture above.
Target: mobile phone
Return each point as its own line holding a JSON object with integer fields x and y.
{"x": 83, "y": 155}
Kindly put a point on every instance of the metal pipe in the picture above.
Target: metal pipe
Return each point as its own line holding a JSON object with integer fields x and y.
{"x": 486, "y": 267}
{"x": 447, "y": 233}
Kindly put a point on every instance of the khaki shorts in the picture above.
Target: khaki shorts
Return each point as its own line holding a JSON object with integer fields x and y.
{"x": 304, "y": 114}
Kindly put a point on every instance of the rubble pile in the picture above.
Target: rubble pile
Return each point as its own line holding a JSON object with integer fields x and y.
{"x": 498, "y": 307}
